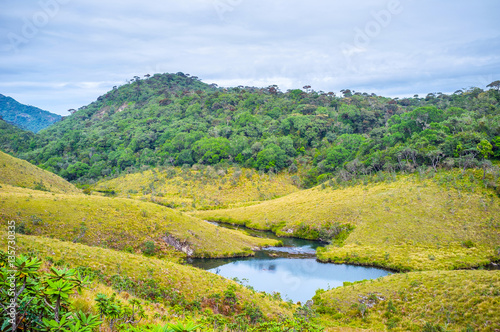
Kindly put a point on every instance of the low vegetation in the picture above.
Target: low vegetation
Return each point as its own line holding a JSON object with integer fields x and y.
{"x": 407, "y": 184}
{"x": 201, "y": 187}
{"x": 417, "y": 301}
{"x": 132, "y": 291}
{"x": 121, "y": 223}
{"x": 20, "y": 173}
{"x": 410, "y": 222}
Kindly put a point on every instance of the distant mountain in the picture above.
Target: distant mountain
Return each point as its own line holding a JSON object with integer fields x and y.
{"x": 24, "y": 116}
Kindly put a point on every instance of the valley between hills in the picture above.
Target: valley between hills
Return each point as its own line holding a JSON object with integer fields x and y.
{"x": 110, "y": 204}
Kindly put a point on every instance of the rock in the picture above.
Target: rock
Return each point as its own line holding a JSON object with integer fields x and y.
{"x": 179, "y": 245}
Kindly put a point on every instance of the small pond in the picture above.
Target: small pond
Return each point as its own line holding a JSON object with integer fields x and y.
{"x": 291, "y": 270}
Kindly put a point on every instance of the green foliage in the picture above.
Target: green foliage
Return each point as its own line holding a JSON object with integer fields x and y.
{"x": 468, "y": 244}
{"x": 32, "y": 300}
{"x": 179, "y": 327}
{"x": 306, "y": 312}
{"x": 272, "y": 157}
{"x": 13, "y": 138}
{"x": 25, "y": 116}
{"x": 230, "y": 295}
{"x": 174, "y": 119}
{"x": 296, "y": 324}
{"x": 115, "y": 312}
{"x": 485, "y": 148}
{"x": 429, "y": 327}
{"x": 148, "y": 248}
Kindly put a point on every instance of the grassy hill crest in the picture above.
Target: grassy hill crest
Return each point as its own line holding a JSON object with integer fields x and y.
{"x": 171, "y": 290}
{"x": 404, "y": 223}
{"x": 417, "y": 301}
{"x": 20, "y": 173}
{"x": 122, "y": 224}
{"x": 203, "y": 187}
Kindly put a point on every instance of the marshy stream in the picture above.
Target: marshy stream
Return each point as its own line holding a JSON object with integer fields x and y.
{"x": 291, "y": 270}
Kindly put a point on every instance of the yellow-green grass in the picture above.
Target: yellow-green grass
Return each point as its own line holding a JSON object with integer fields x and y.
{"x": 119, "y": 223}
{"x": 85, "y": 302}
{"x": 411, "y": 257}
{"x": 155, "y": 313}
{"x": 192, "y": 283}
{"x": 408, "y": 224}
{"x": 346, "y": 329}
{"x": 191, "y": 189}
{"x": 408, "y": 301}
{"x": 20, "y": 173}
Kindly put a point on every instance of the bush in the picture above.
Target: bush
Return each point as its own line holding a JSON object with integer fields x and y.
{"x": 468, "y": 244}
{"x": 429, "y": 327}
{"x": 148, "y": 248}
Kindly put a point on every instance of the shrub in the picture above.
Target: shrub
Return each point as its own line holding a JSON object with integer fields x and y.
{"x": 429, "y": 327}
{"x": 468, "y": 244}
{"x": 148, "y": 248}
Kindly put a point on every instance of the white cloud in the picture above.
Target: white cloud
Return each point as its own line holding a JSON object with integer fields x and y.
{"x": 87, "y": 47}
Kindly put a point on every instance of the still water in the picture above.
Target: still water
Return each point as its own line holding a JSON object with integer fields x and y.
{"x": 291, "y": 270}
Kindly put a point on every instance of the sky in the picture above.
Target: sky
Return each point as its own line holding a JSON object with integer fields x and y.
{"x": 63, "y": 54}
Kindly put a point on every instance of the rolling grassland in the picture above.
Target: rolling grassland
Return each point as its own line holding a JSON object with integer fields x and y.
{"x": 120, "y": 223}
{"x": 447, "y": 222}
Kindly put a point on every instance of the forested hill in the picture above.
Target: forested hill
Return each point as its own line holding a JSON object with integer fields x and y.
{"x": 14, "y": 139}
{"x": 24, "y": 116}
{"x": 174, "y": 119}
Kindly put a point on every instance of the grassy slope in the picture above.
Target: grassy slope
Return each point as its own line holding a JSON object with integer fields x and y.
{"x": 117, "y": 223}
{"x": 409, "y": 224}
{"x": 20, "y": 173}
{"x": 203, "y": 189}
{"x": 193, "y": 283}
{"x": 454, "y": 299}
{"x": 86, "y": 302}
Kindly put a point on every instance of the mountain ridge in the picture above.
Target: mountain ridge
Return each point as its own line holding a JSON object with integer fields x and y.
{"x": 26, "y": 116}
{"x": 177, "y": 120}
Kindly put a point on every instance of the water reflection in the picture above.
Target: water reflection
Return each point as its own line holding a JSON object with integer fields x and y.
{"x": 295, "y": 279}
{"x": 291, "y": 270}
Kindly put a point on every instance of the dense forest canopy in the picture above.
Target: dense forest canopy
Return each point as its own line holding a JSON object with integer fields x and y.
{"x": 13, "y": 138}
{"x": 176, "y": 120}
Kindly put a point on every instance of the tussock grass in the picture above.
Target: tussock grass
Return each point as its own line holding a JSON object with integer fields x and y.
{"x": 191, "y": 189}
{"x": 410, "y": 257}
{"x": 20, "y": 173}
{"x": 119, "y": 223}
{"x": 191, "y": 282}
{"x": 454, "y": 300}
{"x": 86, "y": 303}
{"x": 409, "y": 224}
{"x": 346, "y": 329}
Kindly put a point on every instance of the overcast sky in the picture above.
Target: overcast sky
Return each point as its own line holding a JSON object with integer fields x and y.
{"x": 62, "y": 54}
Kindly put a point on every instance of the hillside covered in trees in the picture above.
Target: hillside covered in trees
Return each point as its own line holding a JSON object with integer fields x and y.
{"x": 175, "y": 120}
{"x": 13, "y": 138}
{"x": 161, "y": 159}
{"x": 25, "y": 116}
